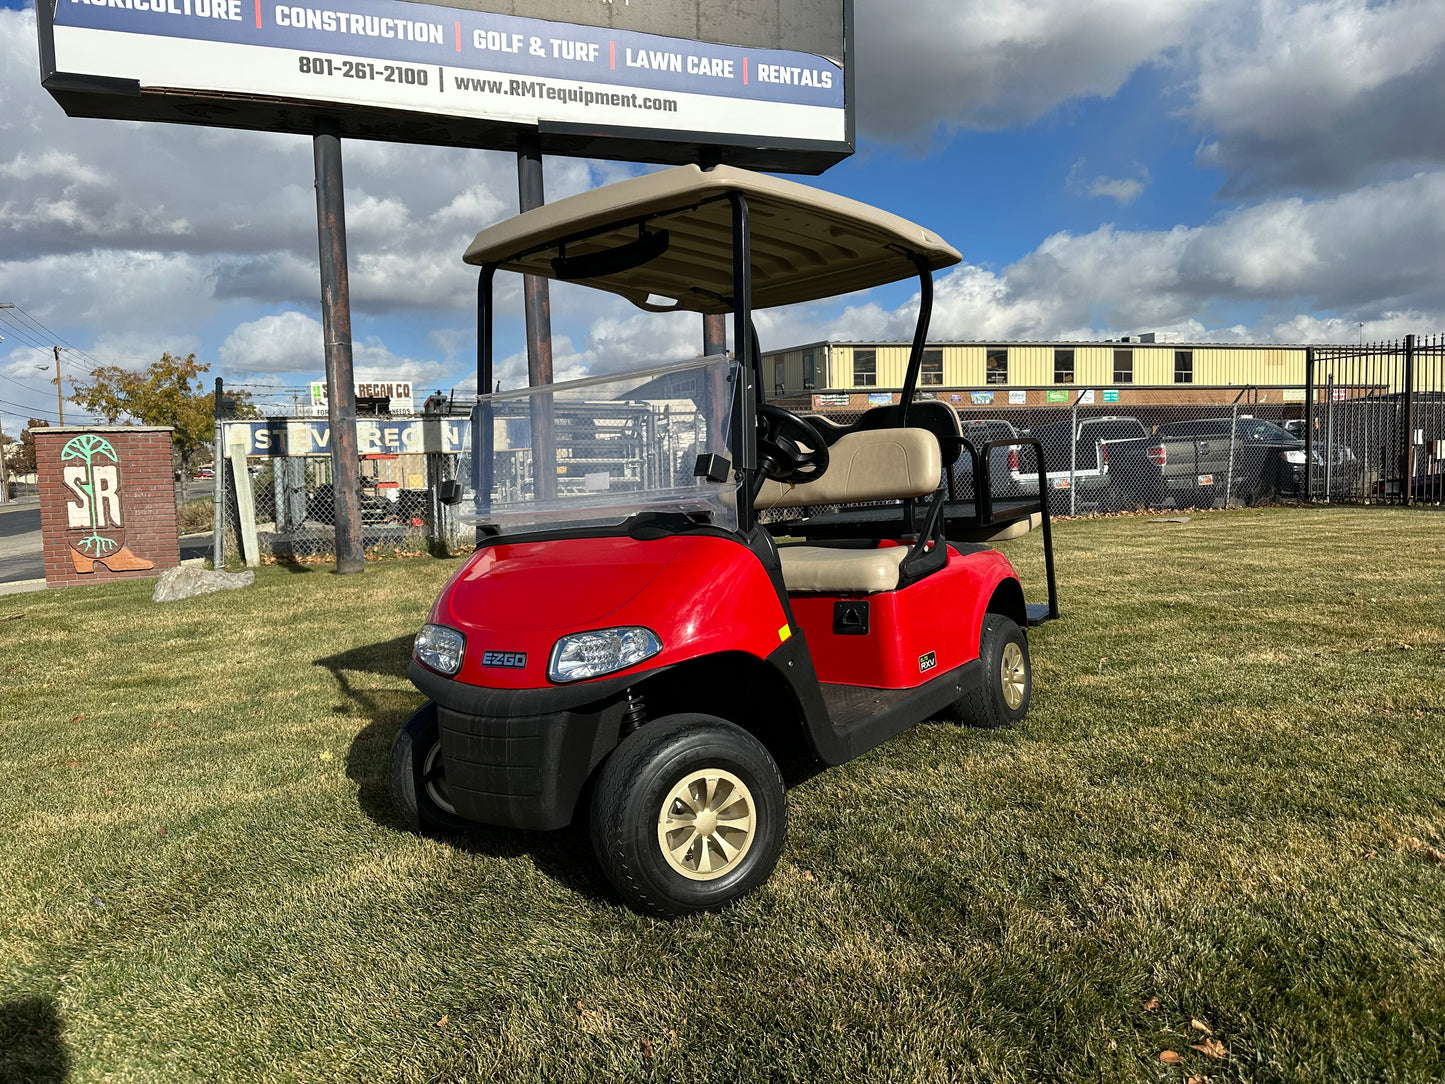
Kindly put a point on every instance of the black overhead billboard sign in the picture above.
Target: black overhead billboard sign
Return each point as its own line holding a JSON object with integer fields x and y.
{"x": 762, "y": 83}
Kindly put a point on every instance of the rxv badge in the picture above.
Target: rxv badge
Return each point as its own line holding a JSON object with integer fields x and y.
{"x": 927, "y": 662}
{"x": 511, "y": 660}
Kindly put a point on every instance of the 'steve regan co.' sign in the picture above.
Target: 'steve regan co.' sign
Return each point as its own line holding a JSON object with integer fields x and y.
{"x": 382, "y": 436}
{"x": 759, "y": 83}
{"x": 95, "y": 522}
{"x": 396, "y": 392}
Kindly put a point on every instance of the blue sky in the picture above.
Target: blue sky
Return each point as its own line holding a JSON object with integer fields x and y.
{"x": 1226, "y": 170}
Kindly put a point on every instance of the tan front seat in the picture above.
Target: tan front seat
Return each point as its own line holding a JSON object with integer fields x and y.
{"x": 873, "y": 465}
{"x": 841, "y": 571}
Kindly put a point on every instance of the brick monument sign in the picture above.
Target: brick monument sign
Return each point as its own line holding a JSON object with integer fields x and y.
{"x": 107, "y": 503}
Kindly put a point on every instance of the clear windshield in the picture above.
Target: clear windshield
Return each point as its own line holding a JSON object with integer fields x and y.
{"x": 595, "y": 452}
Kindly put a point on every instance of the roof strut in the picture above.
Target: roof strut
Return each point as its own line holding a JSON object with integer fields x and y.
{"x": 920, "y": 334}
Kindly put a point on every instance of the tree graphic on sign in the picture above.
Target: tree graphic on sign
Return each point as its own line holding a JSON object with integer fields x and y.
{"x": 88, "y": 446}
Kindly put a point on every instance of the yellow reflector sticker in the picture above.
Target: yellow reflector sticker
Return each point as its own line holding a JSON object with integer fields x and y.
{"x": 784, "y": 633}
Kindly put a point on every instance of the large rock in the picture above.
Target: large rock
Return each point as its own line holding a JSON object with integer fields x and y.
{"x": 189, "y": 581}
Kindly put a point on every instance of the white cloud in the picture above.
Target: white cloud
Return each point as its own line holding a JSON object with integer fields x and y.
{"x": 1320, "y": 93}
{"x": 987, "y": 64}
{"x": 285, "y": 342}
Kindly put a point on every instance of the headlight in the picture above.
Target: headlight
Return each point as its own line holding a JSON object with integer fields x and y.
{"x": 591, "y": 654}
{"x": 440, "y": 648}
{"x": 1295, "y": 457}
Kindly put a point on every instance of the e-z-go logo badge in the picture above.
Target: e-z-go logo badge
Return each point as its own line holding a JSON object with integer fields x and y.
{"x": 94, "y": 526}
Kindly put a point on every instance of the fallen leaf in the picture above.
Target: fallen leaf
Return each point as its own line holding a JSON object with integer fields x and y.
{"x": 72, "y": 764}
{"x": 443, "y": 1021}
{"x": 1211, "y": 1048}
{"x": 1370, "y": 854}
{"x": 1168, "y": 1057}
{"x": 808, "y": 875}
{"x": 1151, "y": 1004}
{"x": 163, "y": 829}
{"x": 1200, "y": 1025}
{"x": 1406, "y": 647}
{"x": 1197, "y": 1080}
{"x": 647, "y": 1048}
{"x": 78, "y": 718}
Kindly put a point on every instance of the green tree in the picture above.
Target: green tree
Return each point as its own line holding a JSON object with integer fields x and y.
{"x": 167, "y": 392}
{"x": 20, "y": 454}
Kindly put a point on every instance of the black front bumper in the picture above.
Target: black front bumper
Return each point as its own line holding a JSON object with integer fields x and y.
{"x": 518, "y": 758}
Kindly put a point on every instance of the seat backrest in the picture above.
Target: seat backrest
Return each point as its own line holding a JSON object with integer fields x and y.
{"x": 935, "y": 415}
{"x": 876, "y": 465}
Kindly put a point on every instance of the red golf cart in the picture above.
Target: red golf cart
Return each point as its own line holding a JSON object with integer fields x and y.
{"x": 629, "y": 628}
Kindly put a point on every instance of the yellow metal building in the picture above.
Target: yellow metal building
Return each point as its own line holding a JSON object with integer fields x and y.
{"x": 1140, "y": 369}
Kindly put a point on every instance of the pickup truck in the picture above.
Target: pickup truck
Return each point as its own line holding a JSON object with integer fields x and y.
{"x": 1196, "y": 458}
{"x": 1111, "y": 467}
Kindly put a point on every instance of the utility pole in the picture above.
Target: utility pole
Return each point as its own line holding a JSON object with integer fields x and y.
{"x": 59, "y": 397}
{"x": 4, "y": 478}
{"x": 4, "y": 475}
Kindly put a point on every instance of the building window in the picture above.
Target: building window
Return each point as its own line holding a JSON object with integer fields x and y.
{"x": 1123, "y": 366}
{"x": 810, "y": 372}
{"x": 932, "y": 372}
{"x": 1184, "y": 366}
{"x": 778, "y": 370}
{"x": 865, "y": 368}
{"x": 996, "y": 364}
{"x": 1063, "y": 366}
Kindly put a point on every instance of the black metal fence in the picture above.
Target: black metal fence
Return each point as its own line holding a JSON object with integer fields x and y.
{"x": 1376, "y": 418}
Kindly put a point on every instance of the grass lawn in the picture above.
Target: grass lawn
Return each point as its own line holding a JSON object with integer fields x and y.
{"x": 1221, "y": 809}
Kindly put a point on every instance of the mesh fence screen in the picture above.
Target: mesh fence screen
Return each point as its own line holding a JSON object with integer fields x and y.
{"x": 1242, "y": 448}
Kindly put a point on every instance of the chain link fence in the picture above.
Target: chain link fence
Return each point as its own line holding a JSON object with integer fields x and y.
{"x": 1224, "y": 447}
{"x": 275, "y": 499}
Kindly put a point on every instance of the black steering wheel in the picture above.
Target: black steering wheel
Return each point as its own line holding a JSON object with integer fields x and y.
{"x": 790, "y": 449}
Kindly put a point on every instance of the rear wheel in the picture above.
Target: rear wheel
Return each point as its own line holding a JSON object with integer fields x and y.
{"x": 1001, "y": 698}
{"x": 418, "y": 776}
{"x": 689, "y": 814}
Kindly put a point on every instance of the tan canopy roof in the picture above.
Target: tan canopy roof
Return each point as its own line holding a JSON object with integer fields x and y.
{"x": 806, "y": 244}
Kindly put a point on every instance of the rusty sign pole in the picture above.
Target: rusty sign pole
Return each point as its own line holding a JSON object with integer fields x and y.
{"x": 715, "y": 334}
{"x": 336, "y": 322}
{"x": 537, "y": 304}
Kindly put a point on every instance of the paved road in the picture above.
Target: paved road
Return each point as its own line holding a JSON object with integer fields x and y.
{"x": 21, "y": 556}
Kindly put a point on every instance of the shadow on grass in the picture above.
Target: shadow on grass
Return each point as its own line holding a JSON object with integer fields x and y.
{"x": 30, "y": 1045}
{"x": 564, "y": 855}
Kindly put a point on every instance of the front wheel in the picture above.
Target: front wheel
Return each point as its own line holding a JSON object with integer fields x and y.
{"x": 1001, "y": 698}
{"x": 418, "y": 776}
{"x": 689, "y": 814}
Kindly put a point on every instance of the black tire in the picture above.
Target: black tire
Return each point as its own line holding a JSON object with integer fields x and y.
{"x": 633, "y": 791}
{"x": 418, "y": 782}
{"x": 987, "y": 704}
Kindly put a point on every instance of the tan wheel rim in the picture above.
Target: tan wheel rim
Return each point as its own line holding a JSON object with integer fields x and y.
{"x": 706, "y": 824}
{"x": 436, "y": 781}
{"x": 1013, "y": 675}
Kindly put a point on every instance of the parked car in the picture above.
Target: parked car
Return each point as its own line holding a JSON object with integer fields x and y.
{"x": 1344, "y": 464}
{"x": 205, "y": 472}
{"x": 1104, "y": 463}
{"x": 981, "y": 431}
{"x": 1197, "y": 459}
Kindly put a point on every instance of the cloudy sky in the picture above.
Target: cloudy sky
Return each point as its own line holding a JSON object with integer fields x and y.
{"x": 1234, "y": 170}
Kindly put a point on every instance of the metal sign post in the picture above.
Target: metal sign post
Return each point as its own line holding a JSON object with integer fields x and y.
{"x": 336, "y": 321}
{"x": 537, "y": 304}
